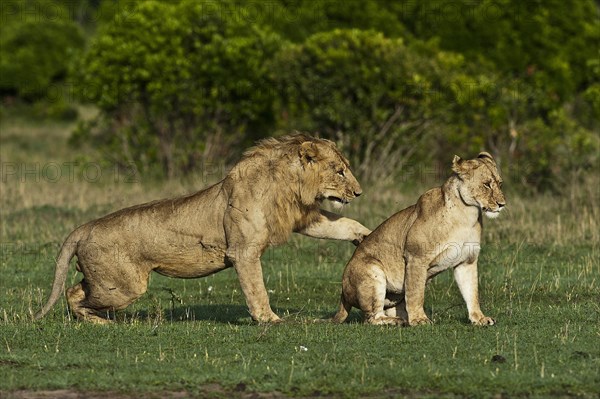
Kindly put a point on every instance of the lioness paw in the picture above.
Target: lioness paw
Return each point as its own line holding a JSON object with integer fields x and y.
{"x": 484, "y": 321}
{"x": 420, "y": 321}
{"x": 386, "y": 320}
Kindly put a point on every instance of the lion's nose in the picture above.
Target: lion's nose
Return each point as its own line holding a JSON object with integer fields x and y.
{"x": 358, "y": 192}
{"x": 501, "y": 204}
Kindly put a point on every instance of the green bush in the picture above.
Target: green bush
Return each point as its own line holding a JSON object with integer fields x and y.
{"x": 297, "y": 20}
{"x": 38, "y": 43}
{"x": 365, "y": 91}
{"x": 536, "y": 41}
{"x": 392, "y": 104}
{"x": 176, "y": 85}
{"x": 183, "y": 82}
{"x": 36, "y": 54}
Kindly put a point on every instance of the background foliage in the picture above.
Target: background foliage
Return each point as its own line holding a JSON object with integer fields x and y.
{"x": 396, "y": 83}
{"x": 35, "y": 54}
{"x": 176, "y": 85}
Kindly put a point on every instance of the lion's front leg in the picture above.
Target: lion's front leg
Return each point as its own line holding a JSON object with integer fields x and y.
{"x": 336, "y": 227}
{"x": 466, "y": 279}
{"x": 246, "y": 237}
{"x": 246, "y": 262}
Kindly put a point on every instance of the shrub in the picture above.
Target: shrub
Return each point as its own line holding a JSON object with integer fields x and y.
{"x": 536, "y": 41}
{"x": 176, "y": 85}
{"x": 183, "y": 82}
{"x": 371, "y": 94}
{"x": 299, "y": 19}
{"x": 391, "y": 104}
{"x": 35, "y": 54}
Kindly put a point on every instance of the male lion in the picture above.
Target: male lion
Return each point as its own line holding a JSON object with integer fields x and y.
{"x": 276, "y": 189}
{"x": 386, "y": 276}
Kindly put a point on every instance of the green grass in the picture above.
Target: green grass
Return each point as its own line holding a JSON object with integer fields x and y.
{"x": 539, "y": 273}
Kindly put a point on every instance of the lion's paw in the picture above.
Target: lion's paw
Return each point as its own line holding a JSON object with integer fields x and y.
{"x": 268, "y": 318}
{"x": 484, "y": 321}
{"x": 270, "y": 321}
{"x": 361, "y": 235}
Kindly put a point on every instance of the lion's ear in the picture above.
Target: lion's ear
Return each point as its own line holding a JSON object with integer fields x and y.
{"x": 308, "y": 152}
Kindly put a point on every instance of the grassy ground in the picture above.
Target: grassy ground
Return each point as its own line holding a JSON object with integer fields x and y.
{"x": 539, "y": 272}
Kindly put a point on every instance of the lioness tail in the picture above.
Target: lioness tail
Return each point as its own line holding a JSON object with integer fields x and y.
{"x": 343, "y": 312}
{"x": 67, "y": 252}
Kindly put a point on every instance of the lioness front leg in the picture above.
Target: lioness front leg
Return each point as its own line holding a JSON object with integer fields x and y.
{"x": 466, "y": 279}
{"x": 336, "y": 227}
{"x": 414, "y": 291}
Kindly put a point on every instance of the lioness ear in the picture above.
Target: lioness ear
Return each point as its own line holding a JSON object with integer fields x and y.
{"x": 486, "y": 155}
{"x": 308, "y": 152}
{"x": 456, "y": 164}
{"x": 463, "y": 167}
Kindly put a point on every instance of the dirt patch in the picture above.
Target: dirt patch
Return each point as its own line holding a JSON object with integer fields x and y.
{"x": 207, "y": 391}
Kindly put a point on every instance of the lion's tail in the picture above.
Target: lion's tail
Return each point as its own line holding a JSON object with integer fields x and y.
{"x": 343, "y": 312}
{"x": 67, "y": 251}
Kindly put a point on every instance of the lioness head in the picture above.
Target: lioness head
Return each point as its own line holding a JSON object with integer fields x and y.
{"x": 480, "y": 183}
{"x": 328, "y": 172}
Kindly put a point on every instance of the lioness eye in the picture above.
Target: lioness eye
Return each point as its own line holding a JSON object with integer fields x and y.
{"x": 341, "y": 173}
{"x": 487, "y": 185}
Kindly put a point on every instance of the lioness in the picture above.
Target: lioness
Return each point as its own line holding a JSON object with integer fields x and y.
{"x": 275, "y": 189}
{"x": 386, "y": 276}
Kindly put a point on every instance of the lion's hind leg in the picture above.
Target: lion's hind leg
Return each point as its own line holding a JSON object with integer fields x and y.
{"x": 91, "y": 302}
{"x": 76, "y": 297}
{"x": 106, "y": 287}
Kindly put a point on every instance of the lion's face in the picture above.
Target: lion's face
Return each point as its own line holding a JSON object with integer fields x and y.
{"x": 335, "y": 181}
{"x": 481, "y": 184}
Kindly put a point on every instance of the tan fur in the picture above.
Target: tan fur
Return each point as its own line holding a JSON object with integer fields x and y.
{"x": 275, "y": 189}
{"x": 387, "y": 274}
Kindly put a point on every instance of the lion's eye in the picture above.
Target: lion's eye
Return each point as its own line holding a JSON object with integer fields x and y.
{"x": 341, "y": 173}
{"x": 487, "y": 185}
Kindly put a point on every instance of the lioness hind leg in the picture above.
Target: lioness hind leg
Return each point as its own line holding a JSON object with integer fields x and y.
{"x": 371, "y": 297}
{"x": 76, "y": 298}
{"x": 395, "y": 306}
